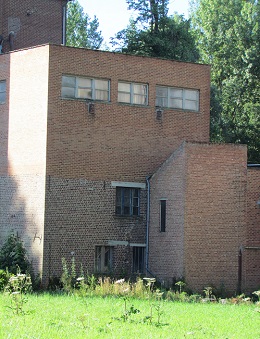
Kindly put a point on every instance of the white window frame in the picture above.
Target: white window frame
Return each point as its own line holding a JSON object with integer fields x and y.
{"x": 133, "y": 94}
{"x": 92, "y": 88}
{"x": 183, "y": 98}
{"x": 3, "y": 92}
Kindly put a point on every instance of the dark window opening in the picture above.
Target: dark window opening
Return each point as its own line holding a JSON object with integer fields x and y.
{"x": 162, "y": 215}
{"x": 138, "y": 259}
{"x": 127, "y": 201}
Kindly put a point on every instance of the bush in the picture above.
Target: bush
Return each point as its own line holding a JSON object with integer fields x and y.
{"x": 13, "y": 255}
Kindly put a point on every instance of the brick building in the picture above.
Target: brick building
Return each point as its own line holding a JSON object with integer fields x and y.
{"x": 106, "y": 157}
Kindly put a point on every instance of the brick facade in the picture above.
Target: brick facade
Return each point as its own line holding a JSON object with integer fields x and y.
{"x": 251, "y": 253}
{"x": 33, "y": 22}
{"x": 60, "y": 165}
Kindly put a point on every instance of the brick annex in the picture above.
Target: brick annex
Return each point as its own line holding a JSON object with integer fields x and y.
{"x": 105, "y": 157}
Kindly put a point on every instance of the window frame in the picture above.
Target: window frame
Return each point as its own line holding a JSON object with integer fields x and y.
{"x": 100, "y": 264}
{"x": 183, "y": 98}
{"x": 133, "y": 94}
{"x": 3, "y": 92}
{"x": 121, "y": 196}
{"x": 93, "y": 88}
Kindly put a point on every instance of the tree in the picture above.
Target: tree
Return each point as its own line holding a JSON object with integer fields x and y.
{"x": 155, "y": 34}
{"x": 228, "y": 37}
{"x": 81, "y": 30}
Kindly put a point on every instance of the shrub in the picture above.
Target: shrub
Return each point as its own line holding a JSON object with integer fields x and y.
{"x": 13, "y": 255}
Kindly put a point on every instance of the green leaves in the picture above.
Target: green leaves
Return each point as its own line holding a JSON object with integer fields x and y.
{"x": 81, "y": 30}
{"x": 227, "y": 34}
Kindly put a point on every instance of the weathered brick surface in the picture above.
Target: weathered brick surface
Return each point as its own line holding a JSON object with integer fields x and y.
{"x": 80, "y": 214}
{"x": 23, "y": 148}
{"x": 166, "y": 249}
{"x": 205, "y": 188}
{"x": 33, "y": 22}
{"x": 215, "y": 212}
{"x": 251, "y": 253}
{"x": 119, "y": 141}
{"x": 57, "y": 162}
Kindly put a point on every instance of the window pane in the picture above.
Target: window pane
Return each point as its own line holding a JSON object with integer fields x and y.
{"x": 123, "y": 87}
{"x": 85, "y": 93}
{"x": 139, "y": 100}
{"x": 127, "y": 200}
{"x": 176, "y": 93}
{"x": 192, "y": 105}
{"x": 83, "y": 82}
{"x": 163, "y": 102}
{"x": 191, "y": 95}
{"x": 139, "y": 89}
{"x": 176, "y": 103}
{"x": 101, "y": 84}
{"x": 68, "y": 81}
{"x": 124, "y": 97}
{"x": 162, "y": 215}
{"x": 2, "y": 86}
{"x": 161, "y": 91}
{"x": 138, "y": 259}
{"x": 68, "y": 92}
{"x": 98, "y": 258}
{"x": 101, "y": 95}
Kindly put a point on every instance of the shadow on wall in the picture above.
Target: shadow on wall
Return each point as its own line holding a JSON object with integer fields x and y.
{"x": 16, "y": 218}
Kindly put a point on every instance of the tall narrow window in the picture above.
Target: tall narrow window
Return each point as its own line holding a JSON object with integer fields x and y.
{"x": 138, "y": 259}
{"x": 162, "y": 215}
{"x": 2, "y": 92}
{"x": 103, "y": 259}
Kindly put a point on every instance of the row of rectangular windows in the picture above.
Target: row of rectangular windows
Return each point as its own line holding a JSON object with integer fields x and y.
{"x": 129, "y": 93}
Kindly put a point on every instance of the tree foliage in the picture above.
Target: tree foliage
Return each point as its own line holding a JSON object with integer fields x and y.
{"x": 228, "y": 37}
{"x": 81, "y": 30}
{"x": 155, "y": 34}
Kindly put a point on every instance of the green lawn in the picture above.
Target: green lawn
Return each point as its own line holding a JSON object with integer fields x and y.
{"x": 72, "y": 317}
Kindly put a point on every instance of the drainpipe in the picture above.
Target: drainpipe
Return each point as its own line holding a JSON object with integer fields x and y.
{"x": 147, "y": 225}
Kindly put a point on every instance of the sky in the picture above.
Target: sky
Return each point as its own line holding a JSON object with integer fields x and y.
{"x": 113, "y": 15}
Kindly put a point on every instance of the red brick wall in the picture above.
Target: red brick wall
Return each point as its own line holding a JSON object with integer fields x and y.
{"x": 215, "y": 215}
{"x": 34, "y": 22}
{"x": 251, "y": 253}
{"x": 119, "y": 141}
{"x": 166, "y": 248}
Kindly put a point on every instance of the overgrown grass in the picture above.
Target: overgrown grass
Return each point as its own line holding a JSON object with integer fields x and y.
{"x": 59, "y": 316}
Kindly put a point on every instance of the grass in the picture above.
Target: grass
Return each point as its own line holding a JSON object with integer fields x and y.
{"x": 60, "y": 316}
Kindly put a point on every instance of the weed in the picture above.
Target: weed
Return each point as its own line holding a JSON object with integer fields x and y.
{"x": 18, "y": 286}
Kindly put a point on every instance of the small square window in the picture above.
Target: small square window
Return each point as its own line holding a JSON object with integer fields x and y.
{"x": 127, "y": 201}
{"x": 133, "y": 93}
